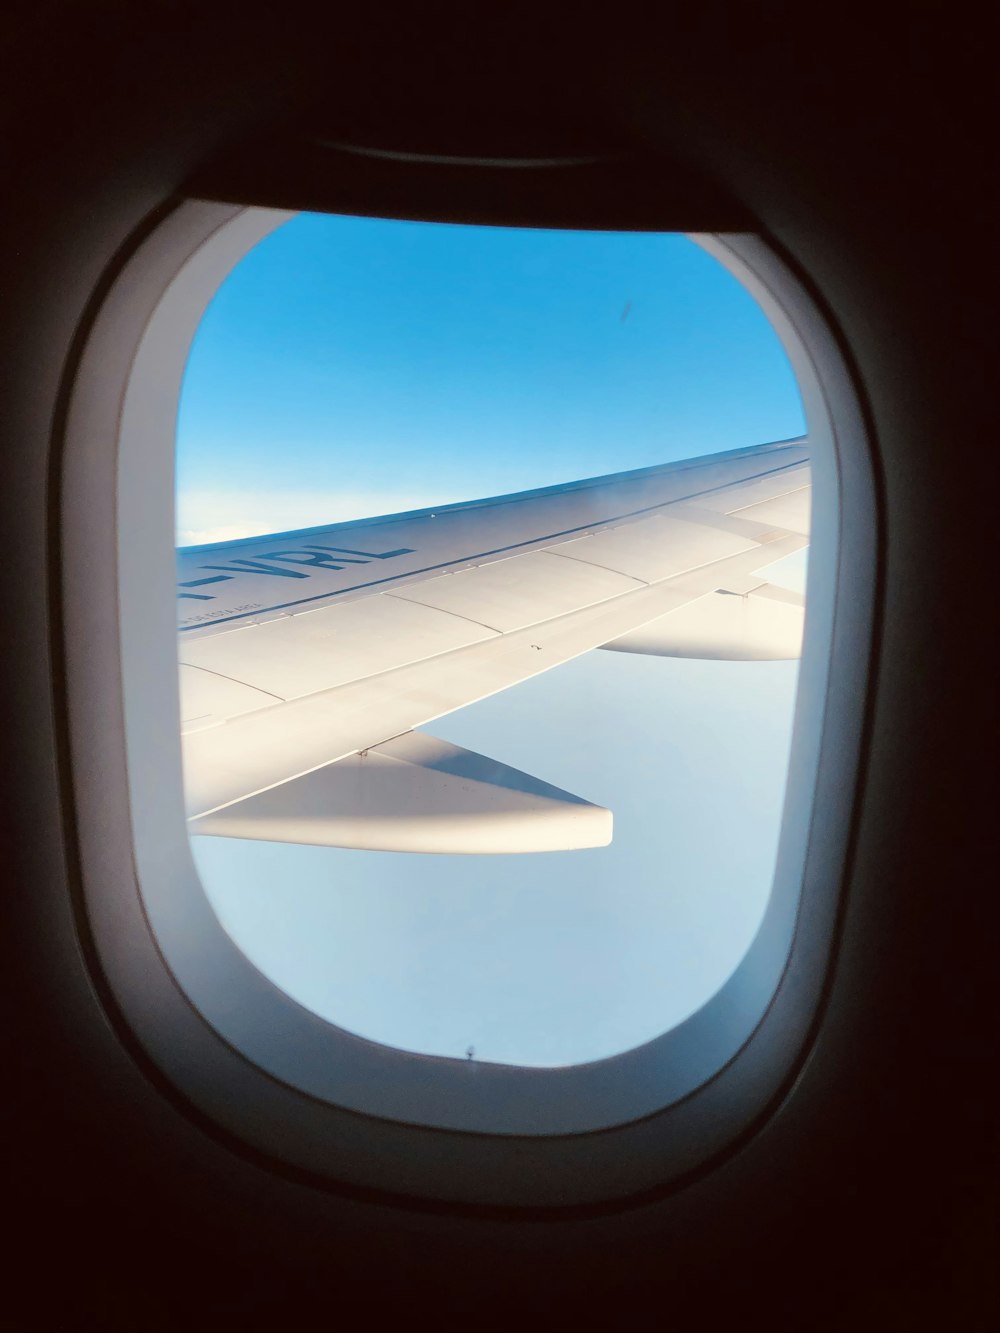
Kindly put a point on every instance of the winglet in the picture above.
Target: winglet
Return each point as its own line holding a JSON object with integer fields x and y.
{"x": 416, "y": 794}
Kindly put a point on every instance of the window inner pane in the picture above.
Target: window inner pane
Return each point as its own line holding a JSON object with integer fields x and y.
{"x": 352, "y": 368}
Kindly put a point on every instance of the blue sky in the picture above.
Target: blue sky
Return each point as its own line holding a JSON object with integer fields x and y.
{"x": 351, "y": 367}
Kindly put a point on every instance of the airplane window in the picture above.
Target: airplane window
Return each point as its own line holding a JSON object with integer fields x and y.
{"x": 478, "y": 761}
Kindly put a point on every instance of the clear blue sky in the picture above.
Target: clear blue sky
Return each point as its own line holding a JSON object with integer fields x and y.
{"x": 351, "y": 367}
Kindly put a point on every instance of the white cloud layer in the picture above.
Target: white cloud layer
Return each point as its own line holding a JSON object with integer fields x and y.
{"x": 224, "y": 516}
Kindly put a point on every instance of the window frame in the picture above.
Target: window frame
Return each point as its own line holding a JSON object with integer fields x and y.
{"x": 262, "y": 1068}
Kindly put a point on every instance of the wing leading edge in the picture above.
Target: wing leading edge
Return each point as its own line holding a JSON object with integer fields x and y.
{"x": 298, "y": 713}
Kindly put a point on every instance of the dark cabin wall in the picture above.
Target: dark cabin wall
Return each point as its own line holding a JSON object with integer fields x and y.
{"x": 861, "y": 1205}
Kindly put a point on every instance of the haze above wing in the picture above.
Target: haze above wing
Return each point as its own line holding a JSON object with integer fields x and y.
{"x": 299, "y": 650}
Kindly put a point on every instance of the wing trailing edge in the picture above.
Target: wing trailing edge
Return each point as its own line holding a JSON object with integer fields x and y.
{"x": 416, "y": 793}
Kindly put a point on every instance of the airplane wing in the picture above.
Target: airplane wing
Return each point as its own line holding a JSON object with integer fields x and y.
{"x": 307, "y": 659}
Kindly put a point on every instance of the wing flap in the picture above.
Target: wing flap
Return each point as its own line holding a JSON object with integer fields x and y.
{"x": 417, "y": 794}
{"x": 208, "y": 699}
{"x": 321, "y": 649}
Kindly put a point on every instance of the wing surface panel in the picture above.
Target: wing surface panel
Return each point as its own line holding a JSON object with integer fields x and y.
{"x": 511, "y": 594}
{"x": 746, "y": 498}
{"x": 260, "y": 750}
{"x": 321, "y": 649}
{"x": 655, "y": 548}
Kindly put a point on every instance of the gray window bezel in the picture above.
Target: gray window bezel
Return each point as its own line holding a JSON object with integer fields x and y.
{"x": 262, "y": 1067}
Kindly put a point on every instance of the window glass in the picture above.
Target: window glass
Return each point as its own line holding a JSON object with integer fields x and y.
{"x": 353, "y": 368}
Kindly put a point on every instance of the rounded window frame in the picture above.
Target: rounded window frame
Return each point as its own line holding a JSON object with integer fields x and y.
{"x": 265, "y": 1070}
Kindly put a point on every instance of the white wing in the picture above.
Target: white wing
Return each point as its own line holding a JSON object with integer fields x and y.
{"x": 301, "y": 650}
